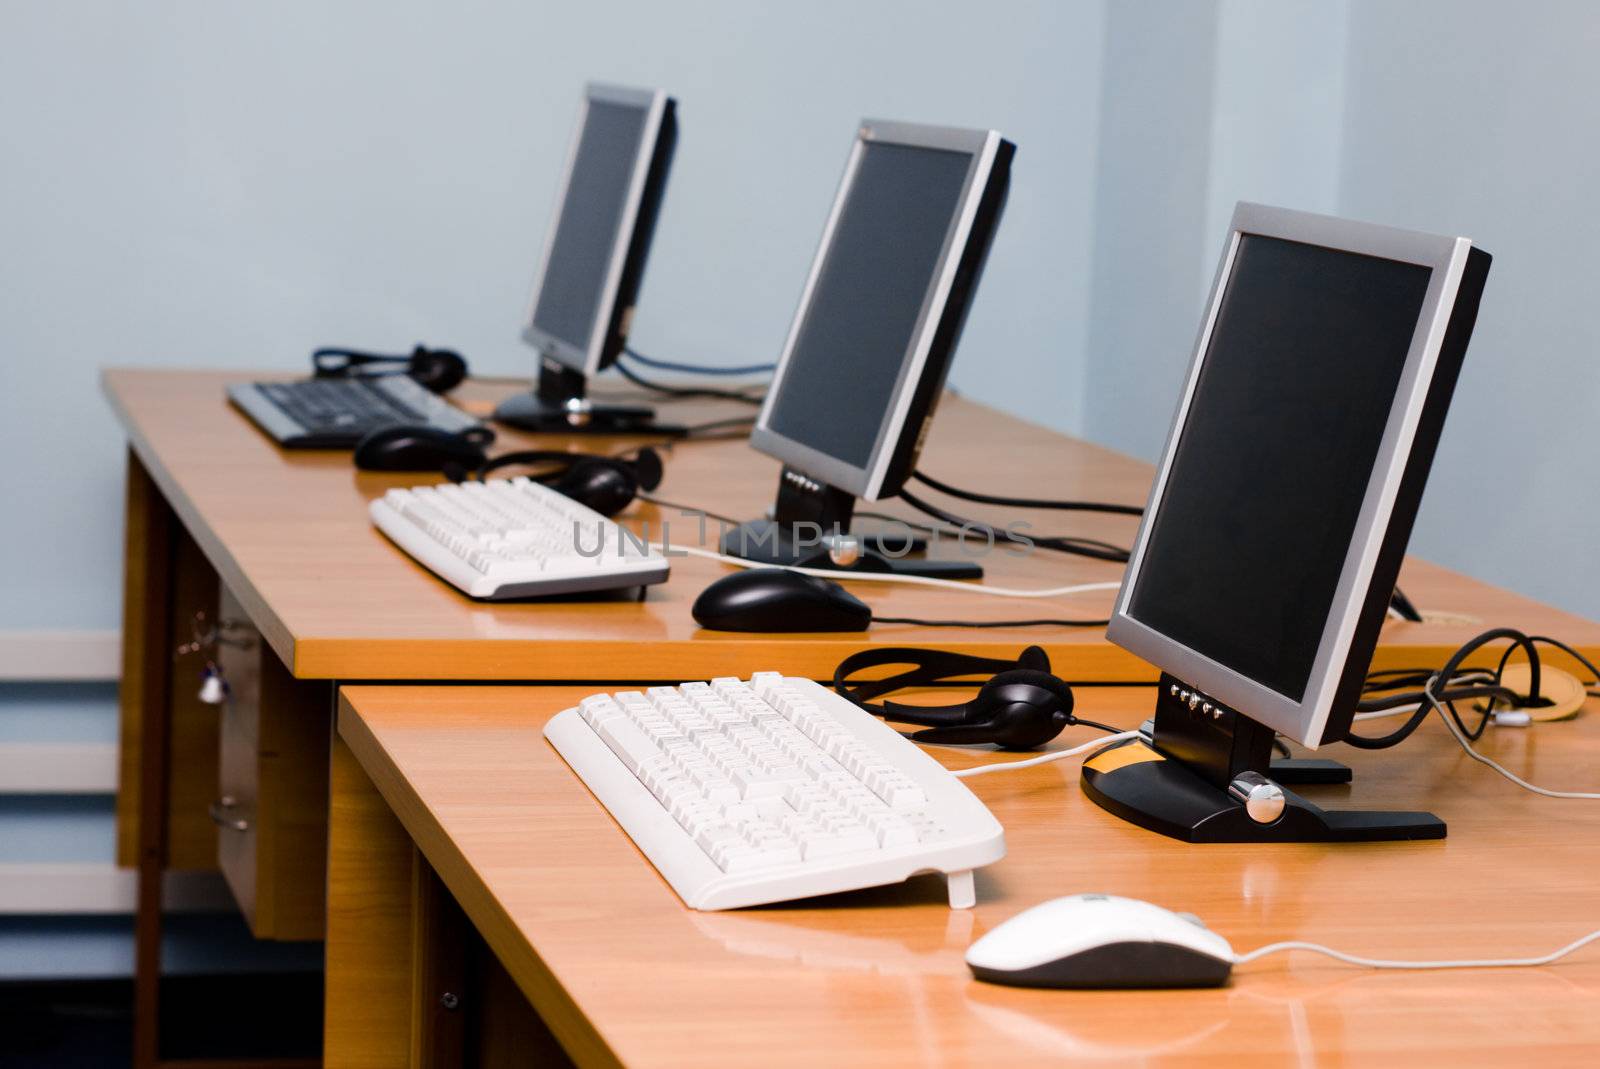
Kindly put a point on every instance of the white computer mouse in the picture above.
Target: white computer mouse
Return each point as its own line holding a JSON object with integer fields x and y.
{"x": 1101, "y": 941}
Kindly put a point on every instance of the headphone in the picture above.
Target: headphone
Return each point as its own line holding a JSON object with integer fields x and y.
{"x": 1021, "y": 707}
{"x": 606, "y": 484}
{"x": 437, "y": 369}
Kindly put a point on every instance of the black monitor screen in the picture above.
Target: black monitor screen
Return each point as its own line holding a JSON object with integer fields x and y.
{"x": 1243, "y": 558}
{"x": 574, "y": 277}
{"x": 856, "y": 336}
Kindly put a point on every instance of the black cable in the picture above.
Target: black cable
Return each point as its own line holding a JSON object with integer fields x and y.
{"x": 708, "y": 431}
{"x": 1453, "y": 693}
{"x": 1568, "y": 650}
{"x": 1107, "y": 728}
{"x": 685, "y": 509}
{"x": 1404, "y": 606}
{"x": 698, "y": 369}
{"x": 988, "y": 623}
{"x": 1449, "y": 672}
{"x": 683, "y": 391}
{"x": 913, "y": 525}
{"x": 1026, "y": 502}
{"x": 1083, "y": 547}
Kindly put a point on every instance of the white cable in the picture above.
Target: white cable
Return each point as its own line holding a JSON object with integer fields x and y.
{"x": 1054, "y": 755}
{"x": 1455, "y": 732}
{"x": 1388, "y": 963}
{"x": 917, "y": 580}
{"x": 1379, "y": 714}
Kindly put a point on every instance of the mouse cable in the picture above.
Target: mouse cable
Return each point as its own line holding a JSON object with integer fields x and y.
{"x": 939, "y": 530}
{"x": 1025, "y": 502}
{"x": 730, "y": 522}
{"x": 914, "y": 622}
{"x": 685, "y": 391}
{"x": 1046, "y": 758}
{"x": 851, "y": 575}
{"x": 1391, "y": 963}
{"x": 685, "y": 509}
{"x": 1083, "y": 547}
{"x": 1460, "y": 737}
{"x": 698, "y": 369}
{"x": 716, "y": 430}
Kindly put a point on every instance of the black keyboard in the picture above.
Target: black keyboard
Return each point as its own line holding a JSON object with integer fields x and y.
{"x": 336, "y": 413}
{"x": 329, "y": 406}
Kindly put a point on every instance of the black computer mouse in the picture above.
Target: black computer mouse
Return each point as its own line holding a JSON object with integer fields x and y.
{"x": 404, "y": 447}
{"x": 775, "y": 599}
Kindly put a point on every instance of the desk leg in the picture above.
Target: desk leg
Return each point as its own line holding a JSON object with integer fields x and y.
{"x": 409, "y": 980}
{"x": 369, "y": 1011}
{"x": 440, "y": 1000}
{"x": 145, "y": 699}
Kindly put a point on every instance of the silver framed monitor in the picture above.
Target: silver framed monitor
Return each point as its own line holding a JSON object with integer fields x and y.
{"x": 1295, "y": 464}
{"x": 574, "y": 307}
{"x": 882, "y": 308}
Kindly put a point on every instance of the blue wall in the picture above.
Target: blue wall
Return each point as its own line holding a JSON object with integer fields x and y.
{"x": 1480, "y": 118}
{"x": 232, "y": 184}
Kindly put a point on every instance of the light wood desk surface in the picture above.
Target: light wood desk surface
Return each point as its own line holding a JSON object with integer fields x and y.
{"x": 288, "y": 534}
{"x": 623, "y": 973}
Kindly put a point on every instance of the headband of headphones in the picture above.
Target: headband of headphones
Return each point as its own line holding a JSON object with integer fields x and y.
{"x": 437, "y": 369}
{"x": 927, "y": 668}
{"x": 644, "y": 465}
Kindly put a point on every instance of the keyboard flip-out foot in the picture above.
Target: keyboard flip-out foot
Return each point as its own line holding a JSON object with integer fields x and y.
{"x": 963, "y": 889}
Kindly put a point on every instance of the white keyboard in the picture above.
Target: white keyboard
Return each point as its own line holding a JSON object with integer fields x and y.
{"x": 514, "y": 538}
{"x": 744, "y": 793}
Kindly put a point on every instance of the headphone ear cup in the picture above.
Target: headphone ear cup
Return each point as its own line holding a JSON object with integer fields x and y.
{"x": 604, "y": 485}
{"x": 647, "y": 468}
{"x": 437, "y": 369}
{"x": 1034, "y": 658}
{"x": 1023, "y": 708}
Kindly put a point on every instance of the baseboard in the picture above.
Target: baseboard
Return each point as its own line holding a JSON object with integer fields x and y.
{"x": 58, "y": 768}
{"x": 60, "y": 656}
{"x": 49, "y": 889}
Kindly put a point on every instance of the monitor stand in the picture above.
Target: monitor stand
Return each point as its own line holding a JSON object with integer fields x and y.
{"x": 559, "y": 405}
{"x": 1178, "y": 782}
{"x": 812, "y": 518}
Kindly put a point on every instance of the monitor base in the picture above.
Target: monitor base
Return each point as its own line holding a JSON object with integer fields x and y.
{"x": 806, "y": 527}
{"x": 530, "y": 412}
{"x": 777, "y": 544}
{"x": 1134, "y": 781}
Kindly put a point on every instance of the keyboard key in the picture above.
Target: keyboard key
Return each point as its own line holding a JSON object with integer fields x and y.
{"x": 630, "y": 744}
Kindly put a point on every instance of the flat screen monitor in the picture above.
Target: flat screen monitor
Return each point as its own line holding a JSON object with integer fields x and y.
{"x": 1296, "y": 462}
{"x": 882, "y": 309}
{"x": 588, "y": 276}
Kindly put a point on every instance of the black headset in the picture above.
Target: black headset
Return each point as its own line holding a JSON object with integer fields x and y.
{"x": 1021, "y": 707}
{"x": 606, "y": 484}
{"x": 437, "y": 369}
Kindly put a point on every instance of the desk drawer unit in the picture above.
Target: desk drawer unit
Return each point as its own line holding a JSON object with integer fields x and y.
{"x": 271, "y": 812}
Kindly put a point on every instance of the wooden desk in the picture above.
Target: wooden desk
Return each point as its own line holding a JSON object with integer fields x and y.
{"x": 288, "y": 534}
{"x": 216, "y": 514}
{"x": 623, "y": 974}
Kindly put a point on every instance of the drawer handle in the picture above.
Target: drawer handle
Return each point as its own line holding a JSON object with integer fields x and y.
{"x": 220, "y": 815}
